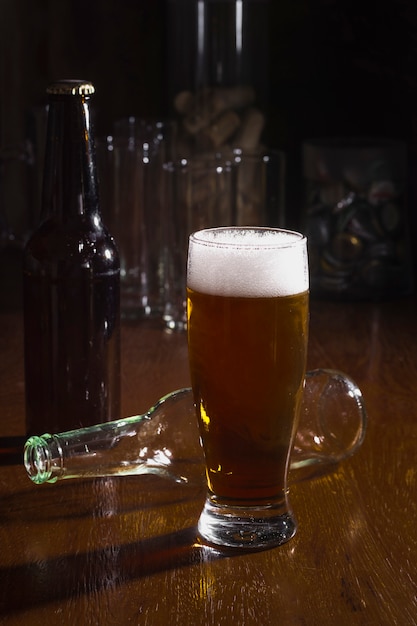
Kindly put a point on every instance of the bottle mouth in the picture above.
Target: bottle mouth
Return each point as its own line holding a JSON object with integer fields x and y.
{"x": 37, "y": 460}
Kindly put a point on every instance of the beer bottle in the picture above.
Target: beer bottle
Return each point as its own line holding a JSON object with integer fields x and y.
{"x": 71, "y": 281}
{"x": 165, "y": 441}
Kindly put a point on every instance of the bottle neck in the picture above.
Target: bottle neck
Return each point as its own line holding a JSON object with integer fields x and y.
{"x": 70, "y": 177}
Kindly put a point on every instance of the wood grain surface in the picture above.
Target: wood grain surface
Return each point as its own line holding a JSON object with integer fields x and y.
{"x": 124, "y": 550}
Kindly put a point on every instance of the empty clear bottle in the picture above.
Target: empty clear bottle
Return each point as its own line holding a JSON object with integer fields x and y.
{"x": 165, "y": 441}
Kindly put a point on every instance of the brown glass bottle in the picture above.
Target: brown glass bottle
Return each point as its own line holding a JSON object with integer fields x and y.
{"x": 71, "y": 281}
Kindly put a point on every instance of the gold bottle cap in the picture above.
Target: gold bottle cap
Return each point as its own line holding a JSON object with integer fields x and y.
{"x": 71, "y": 88}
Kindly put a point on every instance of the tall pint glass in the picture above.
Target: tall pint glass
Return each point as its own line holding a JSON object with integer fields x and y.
{"x": 247, "y": 303}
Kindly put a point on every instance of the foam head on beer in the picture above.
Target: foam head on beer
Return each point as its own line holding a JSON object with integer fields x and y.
{"x": 248, "y": 262}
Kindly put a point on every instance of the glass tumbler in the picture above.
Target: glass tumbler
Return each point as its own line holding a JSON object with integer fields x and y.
{"x": 247, "y": 299}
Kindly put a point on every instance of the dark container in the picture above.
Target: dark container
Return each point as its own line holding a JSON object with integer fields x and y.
{"x": 71, "y": 281}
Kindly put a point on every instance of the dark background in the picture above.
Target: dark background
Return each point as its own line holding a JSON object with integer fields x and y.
{"x": 337, "y": 67}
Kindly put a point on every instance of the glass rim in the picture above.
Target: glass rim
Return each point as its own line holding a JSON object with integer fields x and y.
{"x": 295, "y": 238}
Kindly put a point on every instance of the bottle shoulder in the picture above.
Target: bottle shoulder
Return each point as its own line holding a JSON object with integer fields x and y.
{"x": 81, "y": 243}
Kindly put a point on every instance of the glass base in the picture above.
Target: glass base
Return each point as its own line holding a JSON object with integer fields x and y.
{"x": 246, "y": 527}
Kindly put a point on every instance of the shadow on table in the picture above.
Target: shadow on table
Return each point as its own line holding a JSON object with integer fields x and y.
{"x": 45, "y": 580}
{"x": 68, "y": 577}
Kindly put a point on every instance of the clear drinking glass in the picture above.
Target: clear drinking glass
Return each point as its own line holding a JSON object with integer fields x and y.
{"x": 247, "y": 297}
{"x": 130, "y": 171}
{"x": 200, "y": 192}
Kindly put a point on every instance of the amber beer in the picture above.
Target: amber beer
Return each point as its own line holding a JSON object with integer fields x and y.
{"x": 247, "y": 329}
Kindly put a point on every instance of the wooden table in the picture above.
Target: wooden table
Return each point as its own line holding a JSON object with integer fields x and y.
{"x": 123, "y": 550}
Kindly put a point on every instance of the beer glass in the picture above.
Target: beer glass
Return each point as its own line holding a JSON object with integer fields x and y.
{"x": 247, "y": 303}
